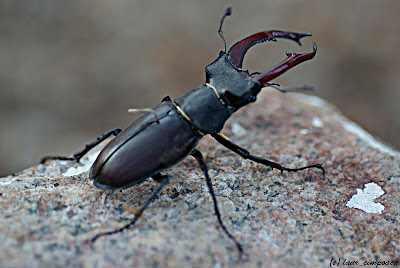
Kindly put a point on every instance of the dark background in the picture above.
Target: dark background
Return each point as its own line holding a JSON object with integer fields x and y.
{"x": 69, "y": 70}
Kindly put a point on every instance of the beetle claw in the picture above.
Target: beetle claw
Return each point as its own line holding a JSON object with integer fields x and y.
{"x": 238, "y": 50}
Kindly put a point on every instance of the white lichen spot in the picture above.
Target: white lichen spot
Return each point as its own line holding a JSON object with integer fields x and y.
{"x": 6, "y": 181}
{"x": 72, "y": 171}
{"x": 304, "y": 131}
{"x": 238, "y": 130}
{"x": 86, "y": 161}
{"x": 316, "y": 122}
{"x": 364, "y": 199}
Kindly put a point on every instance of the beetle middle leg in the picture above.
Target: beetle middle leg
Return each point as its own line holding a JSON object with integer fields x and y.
{"x": 162, "y": 180}
{"x": 199, "y": 157}
{"x": 88, "y": 147}
{"x": 246, "y": 155}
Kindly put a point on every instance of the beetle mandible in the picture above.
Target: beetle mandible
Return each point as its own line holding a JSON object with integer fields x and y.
{"x": 171, "y": 131}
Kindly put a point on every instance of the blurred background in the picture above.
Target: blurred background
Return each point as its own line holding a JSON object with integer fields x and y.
{"x": 69, "y": 70}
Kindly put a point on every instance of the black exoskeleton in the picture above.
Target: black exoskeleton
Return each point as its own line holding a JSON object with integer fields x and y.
{"x": 225, "y": 91}
{"x": 162, "y": 138}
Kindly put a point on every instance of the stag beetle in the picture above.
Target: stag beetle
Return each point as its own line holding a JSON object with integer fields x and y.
{"x": 171, "y": 131}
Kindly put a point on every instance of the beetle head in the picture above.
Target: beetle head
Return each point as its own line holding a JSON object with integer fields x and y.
{"x": 235, "y": 86}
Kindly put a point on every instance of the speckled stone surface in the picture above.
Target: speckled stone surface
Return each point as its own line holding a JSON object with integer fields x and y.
{"x": 297, "y": 219}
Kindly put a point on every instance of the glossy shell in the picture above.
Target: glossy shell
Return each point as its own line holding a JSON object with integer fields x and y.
{"x": 144, "y": 148}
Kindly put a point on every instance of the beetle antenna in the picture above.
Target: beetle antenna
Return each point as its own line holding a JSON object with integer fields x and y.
{"x": 145, "y": 110}
{"x": 228, "y": 12}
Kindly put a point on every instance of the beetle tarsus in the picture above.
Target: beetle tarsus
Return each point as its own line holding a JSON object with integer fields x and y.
{"x": 87, "y": 148}
{"x": 162, "y": 180}
{"x": 319, "y": 166}
{"x": 289, "y": 90}
{"x": 200, "y": 159}
{"x": 271, "y": 84}
{"x": 55, "y": 157}
{"x": 254, "y": 73}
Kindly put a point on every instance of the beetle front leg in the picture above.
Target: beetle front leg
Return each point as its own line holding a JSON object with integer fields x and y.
{"x": 246, "y": 155}
{"x": 162, "y": 180}
{"x": 81, "y": 153}
{"x": 199, "y": 157}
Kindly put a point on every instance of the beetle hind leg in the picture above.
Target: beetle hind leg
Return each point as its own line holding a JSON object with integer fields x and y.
{"x": 246, "y": 155}
{"x": 162, "y": 180}
{"x": 88, "y": 147}
{"x": 199, "y": 157}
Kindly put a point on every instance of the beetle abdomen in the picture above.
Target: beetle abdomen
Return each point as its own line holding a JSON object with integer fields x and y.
{"x": 144, "y": 148}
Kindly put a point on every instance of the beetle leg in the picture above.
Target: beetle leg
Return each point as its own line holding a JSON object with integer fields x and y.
{"x": 81, "y": 153}
{"x": 144, "y": 110}
{"x": 163, "y": 180}
{"x": 199, "y": 157}
{"x": 246, "y": 155}
{"x": 238, "y": 50}
{"x": 292, "y": 60}
{"x": 289, "y": 90}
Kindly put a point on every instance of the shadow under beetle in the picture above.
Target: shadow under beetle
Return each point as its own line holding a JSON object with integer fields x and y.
{"x": 164, "y": 137}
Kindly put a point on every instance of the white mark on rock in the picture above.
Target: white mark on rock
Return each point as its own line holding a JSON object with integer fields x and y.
{"x": 87, "y": 162}
{"x": 304, "y": 131}
{"x": 364, "y": 199}
{"x": 72, "y": 171}
{"x": 316, "y": 122}
{"x": 238, "y": 130}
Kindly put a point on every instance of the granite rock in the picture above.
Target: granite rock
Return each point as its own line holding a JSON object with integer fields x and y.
{"x": 50, "y": 211}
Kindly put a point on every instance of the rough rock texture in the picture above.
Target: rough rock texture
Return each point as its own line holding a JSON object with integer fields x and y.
{"x": 297, "y": 219}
